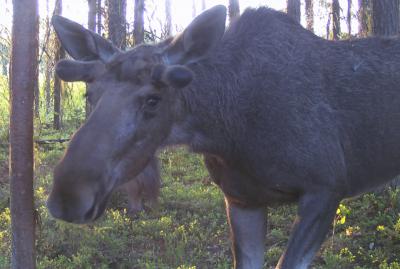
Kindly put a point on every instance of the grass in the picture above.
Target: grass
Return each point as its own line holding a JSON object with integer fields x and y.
{"x": 189, "y": 230}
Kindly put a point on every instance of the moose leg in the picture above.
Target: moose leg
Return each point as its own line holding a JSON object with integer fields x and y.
{"x": 248, "y": 233}
{"x": 315, "y": 216}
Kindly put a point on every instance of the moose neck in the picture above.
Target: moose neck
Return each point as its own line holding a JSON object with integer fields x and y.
{"x": 206, "y": 114}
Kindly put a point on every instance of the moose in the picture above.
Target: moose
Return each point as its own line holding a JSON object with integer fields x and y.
{"x": 280, "y": 115}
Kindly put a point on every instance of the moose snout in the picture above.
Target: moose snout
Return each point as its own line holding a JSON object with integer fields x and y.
{"x": 76, "y": 204}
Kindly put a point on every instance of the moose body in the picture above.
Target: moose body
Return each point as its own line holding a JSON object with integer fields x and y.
{"x": 280, "y": 115}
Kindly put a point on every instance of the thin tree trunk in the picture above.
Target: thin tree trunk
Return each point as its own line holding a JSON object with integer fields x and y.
{"x": 349, "y": 3}
{"x": 36, "y": 91}
{"x": 60, "y": 54}
{"x": 138, "y": 24}
{"x": 310, "y": 15}
{"x": 293, "y": 9}
{"x": 98, "y": 11}
{"x": 25, "y": 35}
{"x": 48, "y": 74}
{"x": 364, "y": 18}
{"x": 92, "y": 26}
{"x": 335, "y": 19}
{"x": 385, "y": 17}
{"x": 168, "y": 19}
{"x": 47, "y": 87}
{"x": 233, "y": 10}
{"x": 117, "y": 22}
{"x": 194, "y": 12}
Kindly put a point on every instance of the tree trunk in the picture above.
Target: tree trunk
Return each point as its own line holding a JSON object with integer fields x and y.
{"x": 117, "y": 22}
{"x": 98, "y": 11}
{"x": 36, "y": 91}
{"x": 138, "y": 24}
{"x": 47, "y": 87}
{"x": 233, "y": 10}
{"x": 385, "y": 17}
{"x": 60, "y": 54}
{"x": 293, "y": 9}
{"x": 349, "y": 3}
{"x": 310, "y": 15}
{"x": 335, "y": 19}
{"x": 168, "y": 19}
{"x": 92, "y": 26}
{"x": 364, "y": 18}
{"x": 25, "y": 35}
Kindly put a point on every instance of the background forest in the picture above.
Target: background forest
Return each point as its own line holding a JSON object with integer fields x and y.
{"x": 188, "y": 228}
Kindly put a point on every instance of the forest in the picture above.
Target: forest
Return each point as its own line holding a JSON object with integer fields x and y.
{"x": 186, "y": 228}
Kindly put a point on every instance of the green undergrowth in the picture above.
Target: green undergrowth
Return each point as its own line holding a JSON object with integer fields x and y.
{"x": 188, "y": 228}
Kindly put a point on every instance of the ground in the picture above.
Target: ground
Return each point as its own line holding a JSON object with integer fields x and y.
{"x": 188, "y": 228}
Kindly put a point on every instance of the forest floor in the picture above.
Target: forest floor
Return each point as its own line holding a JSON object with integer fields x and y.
{"x": 188, "y": 229}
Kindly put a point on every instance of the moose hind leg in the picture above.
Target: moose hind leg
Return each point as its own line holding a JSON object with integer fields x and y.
{"x": 315, "y": 216}
{"x": 248, "y": 234}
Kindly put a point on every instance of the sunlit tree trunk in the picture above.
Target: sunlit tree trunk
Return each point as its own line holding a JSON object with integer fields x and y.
{"x": 23, "y": 71}
{"x": 48, "y": 75}
{"x": 348, "y": 18}
{"x": 117, "y": 22}
{"x": 233, "y": 10}
{"x": 364, "y": 18}
{"x": 335, "y": 19}
{"x": 310, "y": 15}
{"x": 138, "y": 23}
{"x": 385, "y": 17}
{"x": 293, "y": 9}
{"x": 60, "y": 54}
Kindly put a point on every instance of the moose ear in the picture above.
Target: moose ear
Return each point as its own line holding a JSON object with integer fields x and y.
{"x": 69, "y": 70}
{"x": 81, "y": 43}
{"x": 176, "y": 76}
{"x": 200, "y": 37}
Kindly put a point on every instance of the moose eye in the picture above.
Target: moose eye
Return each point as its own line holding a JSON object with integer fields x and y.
{"x": 152, "y": 101}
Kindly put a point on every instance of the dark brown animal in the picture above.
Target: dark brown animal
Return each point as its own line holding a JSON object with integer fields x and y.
{"x": 279, "y": 114}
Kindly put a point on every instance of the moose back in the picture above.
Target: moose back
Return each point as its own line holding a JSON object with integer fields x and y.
{"x": 279, "y": 114}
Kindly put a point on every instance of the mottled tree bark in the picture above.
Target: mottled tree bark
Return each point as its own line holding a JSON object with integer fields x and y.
{"x": 233, "y": 10}
{"x": 138, "y": 24}
{"x": 23, "y": 71}
{"x": 335, "y": 19}
{"x": 385, "y": 17}
{"x": 293, "y": 9}
{"x": 117, "y": 22}
{"x": 60, "y": 54}
{"x": 310, "y": 15}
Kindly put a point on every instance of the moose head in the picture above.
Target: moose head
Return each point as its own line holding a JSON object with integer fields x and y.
{"x": 136, "y": 103}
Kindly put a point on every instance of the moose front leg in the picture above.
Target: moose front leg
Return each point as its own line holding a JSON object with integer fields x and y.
{"x": 315, "y": 216}
{"x": 248, "y": 233}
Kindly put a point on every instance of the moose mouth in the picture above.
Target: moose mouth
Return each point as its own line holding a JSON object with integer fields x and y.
{"x": 96, "y": 211}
